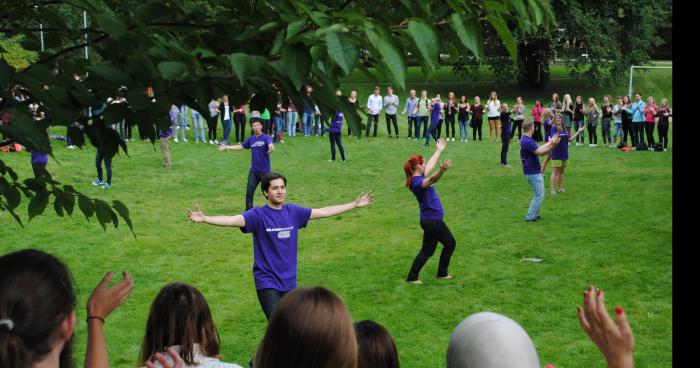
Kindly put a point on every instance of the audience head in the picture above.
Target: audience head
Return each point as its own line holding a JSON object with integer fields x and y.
{"x": 310, "y": 327}
{"x": 477, "y": 99}
{"x": 664, "y": 102}
{"x": 37, "y": 305}
{"x": 493, "y": 96}
{"x": 412, "y": 93}
{"x": 423, "y": 93}
{"x": 353, "y": 94}
{"x": 650, "y": 100}
{"x": 375, "y": 347}
{"x": 389, "y": 90}
{"x": 376, "y": 90}
{"x": 591, "y": 101}
{"x": 638, "y": 96}
{"x": 180, "y": 316}
{"x": 626, "y": 99}
{"x": 491, "y": 340}
{"x": 555, "y": 97}
{"x": 606, "y": 99}
{"x": 463, "y": 99}
{"x": 338, "y": 93}
{"x": 538, "y": 102}
{"x": 567, "y": 100}
{"x": 618, "y": 99}
{"x": 527, "y": 126}
{"x": 579, "y": 99}
{"x": 519, "y": 100}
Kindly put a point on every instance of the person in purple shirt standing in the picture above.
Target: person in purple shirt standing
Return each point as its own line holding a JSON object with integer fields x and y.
{"x": 275, "y": 229}
{"x": 260, "y": 146}
{"x": 334, "y": 132}
{"x": 560, "y": 154}
{"x": 531, "y": 167}
{"x": 434, "y": 108}
{"x": 431, "y": 212}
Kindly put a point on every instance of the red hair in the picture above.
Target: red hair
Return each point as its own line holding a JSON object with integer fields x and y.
{"x": 410, "y": 166}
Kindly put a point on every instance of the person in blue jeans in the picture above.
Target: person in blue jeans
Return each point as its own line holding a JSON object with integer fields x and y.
{"x": 226, "y": 112}
{"x": 529, "y": 152}
{"x": 198, "y": 122}
{"x": 307, "y": 119}
{"x": 435, "y": 107}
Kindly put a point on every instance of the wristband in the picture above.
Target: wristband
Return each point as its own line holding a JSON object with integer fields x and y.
{"x": 96, "y": 317}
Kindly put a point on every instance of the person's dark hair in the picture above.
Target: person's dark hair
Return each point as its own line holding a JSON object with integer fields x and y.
{"x": 37, "y": 295}
{"x": 310, "y": 328}
{"x": 265, "y": 183}
{"x": 375, "y": 347}
{"x": 180, "y": 316}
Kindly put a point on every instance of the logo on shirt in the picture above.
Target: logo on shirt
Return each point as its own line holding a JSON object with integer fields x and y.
{"x": 282, "y": 232}
{"x": 258, "y": 144}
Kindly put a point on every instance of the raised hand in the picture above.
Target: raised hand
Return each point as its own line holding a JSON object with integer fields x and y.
{"x": 104, "y": 300}
{"x": 364, "y": 199}
{"x": 445, "y": 165}
{"x": 616, "y": 342}
{"x": 441, "y": 144}
{"x": 177, "y": 360}
{"x": 270, "y": 148}
{"x": 196, "y": 216}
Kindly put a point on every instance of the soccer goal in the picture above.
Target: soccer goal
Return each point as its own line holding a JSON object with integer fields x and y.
{"x": 633, "y": 67}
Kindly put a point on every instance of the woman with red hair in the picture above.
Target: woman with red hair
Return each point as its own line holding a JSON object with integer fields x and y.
{"x": 431, "y": 212}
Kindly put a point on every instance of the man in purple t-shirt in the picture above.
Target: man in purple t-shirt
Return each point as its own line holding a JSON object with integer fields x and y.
{"x": 275, "y": 227}
{"x": 260, "y": 146}
{"x": 531, "y": 167}
{"x": 431, "y": 212}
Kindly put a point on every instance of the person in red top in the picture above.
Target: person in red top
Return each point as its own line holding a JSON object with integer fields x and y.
{"x": 537, "y": 111}
{"x": 650, "y": 112}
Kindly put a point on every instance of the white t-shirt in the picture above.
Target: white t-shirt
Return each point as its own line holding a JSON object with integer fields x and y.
{"x": 493, "y": 108}
{"x": 204, "y": 361}
{"x": 214, "y": 108}
{"x": 227, "y": 113}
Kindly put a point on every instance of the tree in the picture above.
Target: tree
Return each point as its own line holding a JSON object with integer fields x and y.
{"x": 188, "y": 52}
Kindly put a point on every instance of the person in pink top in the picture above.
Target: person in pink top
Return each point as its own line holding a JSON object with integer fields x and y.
{"x": 537, "y": 111}
{"x": 650, "y": 112}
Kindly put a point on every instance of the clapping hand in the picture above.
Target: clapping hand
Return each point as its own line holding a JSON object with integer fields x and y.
{"x": 196, "y": 216}
{"x": 364, "y": 199}
{"x": 445, "y": 165}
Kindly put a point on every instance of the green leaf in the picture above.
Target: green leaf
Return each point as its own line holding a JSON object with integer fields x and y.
{"x": 391, "y": 58}
{"x": 297, "y": 61}
{"x": 112, "y": 25}
{"x": 172, "y": 70}
{"x": 500, "y": 26}
{"x": 426, "y": 40}
{"x": 58, "y": 206}
{"x": 123, "y": 212}
{"x": 13, "y": 197}
{"x": 38, "y": 204}
{"x": 111, "y": 73}
{"x": 87, "y": 207}
{"x": 277, "y": 44}
{"x": 294, "y": 28}
{"x": 104, "y": 213}
{"x": 268, "y": 26}
{"x": 342, "y": 50}
{"x": 469, "y": 34}
{"x": 68, "y": 202}
{"x": 244, "y": 65}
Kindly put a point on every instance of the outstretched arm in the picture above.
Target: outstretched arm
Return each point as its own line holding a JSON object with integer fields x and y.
{"x": 432, "y": 179}
{"x": 365, "y": 199}
{"x": 230, "y": 221}
{"x": 223, "y": 147}
{"x": 571, "y": 139}
{"x": 436, "y": 156}
{"x": 549, "y": 146}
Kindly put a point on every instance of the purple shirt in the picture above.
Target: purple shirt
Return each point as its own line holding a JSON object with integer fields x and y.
{"x": 546, "y": 129}
{"x": 531, "y": 163}
{"x": 337, "y": 123}
{"x": 435, "y": 114}
{"x": 561, "y": 151}
{"x": 428, "y": 200}
{"x": 275, "y": 244}
{"x": 40, "y": 157}
{"x": 258, "y": 146}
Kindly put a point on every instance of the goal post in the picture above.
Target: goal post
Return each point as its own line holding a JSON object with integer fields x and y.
{"x": 633, "y": 67}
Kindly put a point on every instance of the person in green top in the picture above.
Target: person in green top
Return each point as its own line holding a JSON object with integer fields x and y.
{"x": 421, "y": 112}
{"x": 265, "y": 118}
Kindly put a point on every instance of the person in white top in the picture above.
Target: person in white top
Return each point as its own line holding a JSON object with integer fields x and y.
{"x": 213, "y": 120}
{"x": 494, "y": 107}
{"x": 374, "y": 107}
{"x": 391, "y": 104}
{"x": 181, "y": 321}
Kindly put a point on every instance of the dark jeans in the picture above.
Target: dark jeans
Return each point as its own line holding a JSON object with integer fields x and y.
{"x": 433, "y": 232}
{"x": 649, "y": 127}
{"x": 392, "y": 118}
{"x": 269, "y": 298}
{"x": 438, "y": 128}
{"x": 637, "y": 133}
{"x": 605, "y": 130}
{"x": 519, "y": 125}
{"x": 335, "y": 139}
{"x": 663, "y": 134}
{"x": 537, "y": 135}
{"x": 431, "y": 133}
{"x": 227, "y": 130}
{"x": 239, "y": 121}
{"x": 253, "y": 180}
{"x": 476, "y": 128}
{"x": 581, "y": 137}
{"x": 211, "y": 124}
{"x": 592, "y": 135}
{"x": 40, "y": 171}
{"x": 627, "y": 131}
{"x": 412, "y": 120}
{"x": 505, "y": 141}
{"x": 421, "y": 120}
{"x": 108, "y": 165}
{"x": 267, "y": 127}
{"x": 374, "y": 118}
{"x": 449, "y": 123}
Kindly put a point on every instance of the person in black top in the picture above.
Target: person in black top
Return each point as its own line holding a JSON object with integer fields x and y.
{"x": 605, "y": 121}
{"x": 662, "y": 127}
{"x": 477, "y": 117}
{"x": 463, "y": 117}
{"x": 450, "y": 112}
{"x": 505, "y": 134}
{"x": 627, "y": 121}
{"x": 579, "y": 113}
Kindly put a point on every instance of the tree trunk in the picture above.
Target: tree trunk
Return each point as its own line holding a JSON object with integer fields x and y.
{"x": 533, "y": 64}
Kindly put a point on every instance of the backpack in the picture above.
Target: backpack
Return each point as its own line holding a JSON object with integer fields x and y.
{"x": 642, "y": 147}
{"x": 658, "y": 147}
{"x": 621, "y": 146}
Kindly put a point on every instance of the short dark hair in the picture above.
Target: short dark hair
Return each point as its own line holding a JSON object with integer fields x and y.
{"x": 265, "y": 185}
{"x": 375, "y": 347}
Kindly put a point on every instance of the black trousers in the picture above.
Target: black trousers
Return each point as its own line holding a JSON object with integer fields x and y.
{"x": 519, "y": 125}
{"x": 505, "y": 141}
{"x": 592, "y": 135}
{"x": 335, "y": 139}
{"x": 374, "y": 118}
{"x": 537, "y": 135}
{"x": 269, "y": 298}
{"x": 433, "y": 232}
{"x": 663, "y": 134}
{"x": 627, "y": 131}
{"x": 211, "y": 124}
{"x": 449, "y": 122}
{"x": 239, "y": 126}
{"x": 637, "y": 133}
{"x": 253, "y": 180}
{"x": 99, "y": 157}
{"x": 438, "y": 128}
{"x": 40, "y": 171}
{"x": 649, "y": 127}
{"x": 391, "y": 117}
{"x": 412, "y": 120}
{"x": 476, "y": 128}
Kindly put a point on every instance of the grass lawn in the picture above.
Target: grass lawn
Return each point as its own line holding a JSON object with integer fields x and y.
{"x": 612, "y": 229}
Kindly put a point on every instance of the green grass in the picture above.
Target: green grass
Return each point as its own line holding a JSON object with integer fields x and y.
{"x": 612, "y": 229}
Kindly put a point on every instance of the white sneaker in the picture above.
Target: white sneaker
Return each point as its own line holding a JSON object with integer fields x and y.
{"x": 665, "y": 150}
{"x": 184, "y": 140}
{"x": 453, "y": 139}
{"x": 175, "y": 140}
{"x": 594, "y": 145}
{"x": 216, "y": 142}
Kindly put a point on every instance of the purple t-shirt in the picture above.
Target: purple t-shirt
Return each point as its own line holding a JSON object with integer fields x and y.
{"x": 275, "y": 242}
{"x": 337, "y": 123}
{"x": 428, "y": 200}
{"x": 531, "y": 163}
{"x": 40, "y": 157}
{"x": 258, "y": 146}
{"x": 435, "y": 114}
{"x": 561, "y": 151}
{"x": 546, "y": 129}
